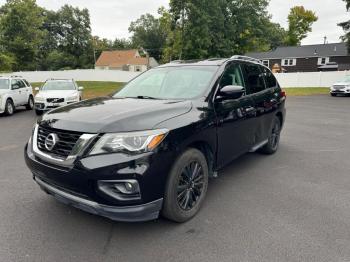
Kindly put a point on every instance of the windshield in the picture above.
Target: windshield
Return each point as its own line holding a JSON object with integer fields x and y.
{"x": 4, "y": 84}
{"x": 58, "y": 85}
{"x": 184, "y": 82}
{"x": 346, "y": 79}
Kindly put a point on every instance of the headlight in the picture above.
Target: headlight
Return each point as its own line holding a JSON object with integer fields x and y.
{"x": 133, "y": 142}
{"x": 39, "y": 99}
{"x": 72, "y": 98}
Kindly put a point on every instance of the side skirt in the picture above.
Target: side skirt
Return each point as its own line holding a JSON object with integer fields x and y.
{"x": 258, "y": 146}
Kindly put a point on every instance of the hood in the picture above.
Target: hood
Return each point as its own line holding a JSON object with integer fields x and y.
{"x": 108, "y": 115}
{"x": 342, "y": 84}
{"x": 57, "y": 93}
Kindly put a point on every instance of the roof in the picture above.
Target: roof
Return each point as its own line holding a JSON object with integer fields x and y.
{"x": 208, "y": 62}
{"x": 325, "y": 50}
{"x": 119, "y": 58}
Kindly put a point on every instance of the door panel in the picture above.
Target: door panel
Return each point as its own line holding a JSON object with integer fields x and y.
{"x": 235, "y": 119}
{"x": 15, "y": 92}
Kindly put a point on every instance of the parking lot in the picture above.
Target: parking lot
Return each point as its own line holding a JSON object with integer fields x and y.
{"x": 292, "y": 206}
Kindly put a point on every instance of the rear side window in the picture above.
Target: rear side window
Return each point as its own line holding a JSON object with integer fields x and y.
{"x": 21, "y": 84}
{"x": 254, "y": 78}
{"x": 26, "y": 82}
{"x": 270, "y": 79}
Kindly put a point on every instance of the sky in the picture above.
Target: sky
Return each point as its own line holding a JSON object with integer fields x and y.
{"x": 111, "y": 18}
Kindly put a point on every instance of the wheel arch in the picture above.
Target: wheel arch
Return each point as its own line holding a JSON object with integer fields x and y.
{"x": 205, "y": 148}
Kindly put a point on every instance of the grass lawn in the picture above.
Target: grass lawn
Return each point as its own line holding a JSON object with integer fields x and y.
{"x": 308, "y": 91}
{"x": 95, "y": 89}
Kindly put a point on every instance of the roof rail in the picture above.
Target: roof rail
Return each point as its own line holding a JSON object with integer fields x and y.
{"x": 246, "y": 58}
{"x": 14, "y": 76}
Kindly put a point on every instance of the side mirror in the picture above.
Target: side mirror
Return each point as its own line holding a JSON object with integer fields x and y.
{"x": 232, "y": 92}
{"x": 80, "y": 88}
{"x": 37, "y": 89}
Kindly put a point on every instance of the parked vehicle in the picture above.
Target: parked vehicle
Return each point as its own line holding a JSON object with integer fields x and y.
{"x": 15, "y": 91}
{"x": 342, "y": 87}
{"x": 55, "y": 93}
{"x": 152, "y": 146}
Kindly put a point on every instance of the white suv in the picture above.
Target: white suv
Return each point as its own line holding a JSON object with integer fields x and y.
{"x": 56, "y": 93}
{"x": 15, "y": 91}
{"x": 341, "y": 88}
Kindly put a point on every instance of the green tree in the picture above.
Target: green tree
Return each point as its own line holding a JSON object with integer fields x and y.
{"x": 7, "y": 61}
{"x": 148, "y": 34}
{"x": 346, "y": 26}
{"x": 221, "y": 28}
{"x": 21, "y": 35}
{"x": 300, "y": 24}
{"x": 122, "y": 44}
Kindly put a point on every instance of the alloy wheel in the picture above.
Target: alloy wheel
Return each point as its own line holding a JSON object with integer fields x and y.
{"x": 190, "y": 186}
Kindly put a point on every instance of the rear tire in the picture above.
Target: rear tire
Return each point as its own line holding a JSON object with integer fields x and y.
{"x": 9, "y": 107}
{"x": 39, "y": 112}
{"x": 274, "y": 138}
{"x": 30, "y": 104}
{"x": 186, "y": 186}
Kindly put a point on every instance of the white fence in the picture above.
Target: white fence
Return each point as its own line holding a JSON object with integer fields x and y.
{"x": 317, "y": 79}
{"x": 78, "y": 75}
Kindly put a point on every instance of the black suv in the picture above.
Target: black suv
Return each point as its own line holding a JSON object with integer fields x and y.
{"x": 151, "y": 147}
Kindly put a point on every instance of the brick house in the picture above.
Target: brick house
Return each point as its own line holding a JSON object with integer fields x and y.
{"x": 307, "y": 58}
{"x": 126, "y": 60}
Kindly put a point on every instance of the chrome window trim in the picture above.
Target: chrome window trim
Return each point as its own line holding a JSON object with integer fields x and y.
{"x": 82, "y": 143}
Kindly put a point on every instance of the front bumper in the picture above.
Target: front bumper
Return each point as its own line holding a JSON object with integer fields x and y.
{"x": 44, "y": 106}
{"x": 78, "y": 185}
{"x": 340, "y": 91}
{"x": 149, "y": 211}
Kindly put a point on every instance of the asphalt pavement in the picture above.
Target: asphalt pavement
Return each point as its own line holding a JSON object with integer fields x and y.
{"x": 292, "y": 206}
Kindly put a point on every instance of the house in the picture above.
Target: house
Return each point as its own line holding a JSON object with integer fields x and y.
{"x": 307, "y": 58}
{"x": 126, "y": 60}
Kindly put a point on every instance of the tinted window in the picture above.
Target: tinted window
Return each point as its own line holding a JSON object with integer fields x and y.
{"x": 254, "y": 78}
{"x": 270, "y": 79}
{"x": 232, "y": 76}
{"x": 26, "y": 82}
{"x": 15, "y": 84}
{"x": 183, "y": 82}
{"x": 21, "y": 84}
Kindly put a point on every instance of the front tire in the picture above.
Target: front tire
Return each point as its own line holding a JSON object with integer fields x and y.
{"x": 9, "y": 107}
{"x": 333, "y": 94}
{"x": 274, "y": 138}
{"x": 30, "y": 104}
{"x": 186, "y": 187}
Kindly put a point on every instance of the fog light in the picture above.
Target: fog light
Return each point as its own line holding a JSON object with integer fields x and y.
{"x": 123, "y": 190}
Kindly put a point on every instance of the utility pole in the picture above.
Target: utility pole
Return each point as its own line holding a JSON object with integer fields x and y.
{"x": 325, "y": 40}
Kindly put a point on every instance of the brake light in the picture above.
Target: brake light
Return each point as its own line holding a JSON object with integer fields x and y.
{"x": 283, "y": 94}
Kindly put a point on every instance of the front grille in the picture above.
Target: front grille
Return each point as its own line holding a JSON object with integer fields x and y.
{"x": 338, "y": 87}
{"x": 65, "y": 144}
{"x": 55, "y": 100}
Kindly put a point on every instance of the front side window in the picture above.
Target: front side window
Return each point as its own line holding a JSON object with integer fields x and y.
{"x": 183, "y": 82}
{"x": 15, "y": 84}
{"x": 4, "y": 84}
{"x": 254, "y": 78}
{"x": 232, "y": 76}
{"x": 58, "y": 85}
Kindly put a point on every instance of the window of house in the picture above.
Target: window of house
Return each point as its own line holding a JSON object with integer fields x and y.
{"x": 323, "y": 60}
{"x": 289, "y": 62}
{"x": 266, "y": 62}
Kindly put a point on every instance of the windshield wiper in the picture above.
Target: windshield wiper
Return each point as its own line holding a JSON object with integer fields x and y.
{"x": 144, "y": 97}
